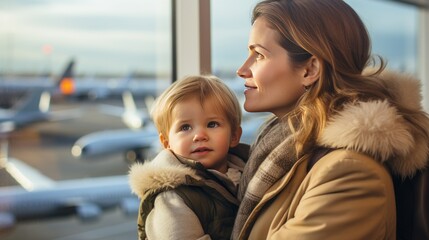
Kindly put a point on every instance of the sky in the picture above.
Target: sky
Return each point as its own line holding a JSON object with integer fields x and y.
{"x": 119, "y": 36}
{"x": 104, "y": 36}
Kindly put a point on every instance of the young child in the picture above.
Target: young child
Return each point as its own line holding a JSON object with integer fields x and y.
{"x": 188, "y": 190}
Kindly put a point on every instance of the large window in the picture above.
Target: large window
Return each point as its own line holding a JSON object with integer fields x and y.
{"x": 116, "y": 45}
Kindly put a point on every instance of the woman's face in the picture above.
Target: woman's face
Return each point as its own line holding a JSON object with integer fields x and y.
{"x": 273, "y": 84}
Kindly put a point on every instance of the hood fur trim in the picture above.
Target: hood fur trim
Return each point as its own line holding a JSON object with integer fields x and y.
{"x": 163, "y": 172}
{"x": 377, "y": 129}
{"x": 371, "y": 127}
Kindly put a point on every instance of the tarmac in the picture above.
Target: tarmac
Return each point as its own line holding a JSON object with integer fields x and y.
{"x": 47, "y": 147}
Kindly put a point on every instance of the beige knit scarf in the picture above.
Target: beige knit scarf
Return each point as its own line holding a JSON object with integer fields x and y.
{"x": 272, "y": 156}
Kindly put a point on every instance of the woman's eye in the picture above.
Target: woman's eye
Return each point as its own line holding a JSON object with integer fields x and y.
{"x": 259, "y": 56}
{"x": 213, "y": 124}
{"x": 185, "y": 127}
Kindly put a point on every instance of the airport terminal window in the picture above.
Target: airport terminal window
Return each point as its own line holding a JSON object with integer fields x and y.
{"x": 392, "y": 26}
{"x": 76, "y": 57}
{"x": 102, "y": 47}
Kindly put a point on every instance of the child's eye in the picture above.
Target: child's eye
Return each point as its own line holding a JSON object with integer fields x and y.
{"x": 185, "y": 127}
{"x": 212, "y": 124}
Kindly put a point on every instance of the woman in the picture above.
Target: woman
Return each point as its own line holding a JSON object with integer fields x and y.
{"x": 306, "y": 66}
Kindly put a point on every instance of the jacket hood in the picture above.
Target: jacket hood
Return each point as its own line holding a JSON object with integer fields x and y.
{"x": 377, "y": 129}
{"x": 165, "y": 171}
{"x": 168, "y": 171}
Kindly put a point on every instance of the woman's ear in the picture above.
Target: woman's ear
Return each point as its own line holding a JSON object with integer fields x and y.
{"x": 164, "y": 141}
{"x": 311, "y": 71}
{"x": 235, "y": 137}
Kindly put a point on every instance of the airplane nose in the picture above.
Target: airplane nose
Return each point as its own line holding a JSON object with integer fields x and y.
{"x": 76, "y": 151}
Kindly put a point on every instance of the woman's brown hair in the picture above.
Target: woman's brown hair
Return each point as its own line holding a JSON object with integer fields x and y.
{"x": 331, "y": 31}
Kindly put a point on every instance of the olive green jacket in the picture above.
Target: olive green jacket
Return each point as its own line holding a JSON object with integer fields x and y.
{"x": 182, "y": 200}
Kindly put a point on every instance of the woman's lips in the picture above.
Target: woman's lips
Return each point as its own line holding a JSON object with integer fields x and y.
{"x": 249, "y": 88}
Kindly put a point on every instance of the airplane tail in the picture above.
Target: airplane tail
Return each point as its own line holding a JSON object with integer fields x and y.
{"x": 37, "y": 101}
{"x": 129, "y": 103}
{"x": 66, "y": 83}
{"x": 68, "y": 71}
{"x": 130, "y": 114}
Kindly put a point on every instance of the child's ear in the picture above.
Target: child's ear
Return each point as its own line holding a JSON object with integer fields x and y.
{"x": 235, "y": 138}
{"x": 163, "y": 140}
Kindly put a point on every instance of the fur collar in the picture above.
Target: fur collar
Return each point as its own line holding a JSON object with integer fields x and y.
{"x": 164, "y": 171}
{"x": 377, "y": 129}
{"x": 168, "y": 171}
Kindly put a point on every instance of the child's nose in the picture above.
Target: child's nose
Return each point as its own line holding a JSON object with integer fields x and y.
{"x": 200, "y": 136}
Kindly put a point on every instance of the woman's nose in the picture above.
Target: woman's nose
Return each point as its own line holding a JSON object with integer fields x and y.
{"x": 244, "y": 71}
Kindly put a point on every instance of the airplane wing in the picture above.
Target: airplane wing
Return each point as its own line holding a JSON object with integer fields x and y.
{"x": 42, "y": 197}
{"x": 84, "y": 198}
{"x": 28, "y": 177}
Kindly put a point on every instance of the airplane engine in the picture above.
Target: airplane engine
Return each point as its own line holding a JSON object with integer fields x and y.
{"x": 130, "y": 206}
{"x": 88, "y": 211}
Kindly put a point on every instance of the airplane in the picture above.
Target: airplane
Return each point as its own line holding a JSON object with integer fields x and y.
{"x": 69, "y": 86}
{"x": 139, "y": 137}
{"x": 136, "y": 145}
{"x": 12, "y": 89}
{"x": 101, "y": 88}
{"x": 33, "y": 109}
{"x": 41, "y": 197}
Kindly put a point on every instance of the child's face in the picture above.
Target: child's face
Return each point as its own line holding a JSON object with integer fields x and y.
{"x": 201, "y": 133}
